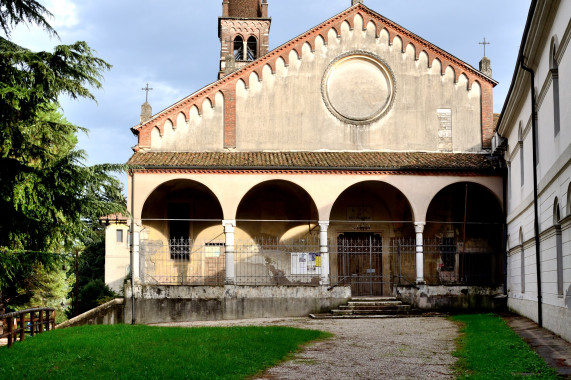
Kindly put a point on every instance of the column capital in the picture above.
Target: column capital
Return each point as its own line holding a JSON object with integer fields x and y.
{"x": 229, "y": 225}
{"x": 419, "y": 227}
{"x": 323, "y": 223}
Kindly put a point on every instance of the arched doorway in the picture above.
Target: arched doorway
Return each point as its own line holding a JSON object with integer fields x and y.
{"x": 277, "y": 236}
{"x": 463, "y": 237}
{"x": 182, "y": 238}
{"x": 368, "y": 222}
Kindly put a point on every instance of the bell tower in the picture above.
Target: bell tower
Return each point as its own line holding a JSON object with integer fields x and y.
{"x": 244, "y": 32}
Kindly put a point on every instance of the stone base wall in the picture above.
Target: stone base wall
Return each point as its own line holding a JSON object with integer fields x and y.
{"x": 161, "y": 303}
{"x": 452, "y": 297}
{"x": 110, "y": 313}
{"x": 556, "y": 319}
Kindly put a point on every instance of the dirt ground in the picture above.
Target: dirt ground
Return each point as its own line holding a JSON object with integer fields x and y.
{"x": 385, "y": 348}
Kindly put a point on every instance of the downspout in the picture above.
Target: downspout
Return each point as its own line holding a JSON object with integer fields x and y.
{"x": 132, "y": 247}
{"x": 535, "y": 197}
{"x": 505, "y": 228}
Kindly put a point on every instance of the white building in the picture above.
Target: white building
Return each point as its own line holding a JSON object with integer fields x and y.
{"x": 544, "y": 60}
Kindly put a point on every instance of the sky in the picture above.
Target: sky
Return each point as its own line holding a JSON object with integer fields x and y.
{"x": 174, "y": 46}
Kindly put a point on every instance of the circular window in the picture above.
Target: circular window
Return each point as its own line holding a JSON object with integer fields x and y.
{"x": 358, "y": 88}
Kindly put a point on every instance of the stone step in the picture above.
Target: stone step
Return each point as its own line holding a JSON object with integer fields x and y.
{"x": 374, "y": 303}
{"x": 374, "y": 307}
{"x": 371, "y": 312}
{"x": 373, "y": 299}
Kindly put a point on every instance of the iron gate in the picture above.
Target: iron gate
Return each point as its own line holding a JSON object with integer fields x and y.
{"x": 360, "y": 262}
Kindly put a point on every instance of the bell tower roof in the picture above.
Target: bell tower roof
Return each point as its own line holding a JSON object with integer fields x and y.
{"x": 245, "y": 8}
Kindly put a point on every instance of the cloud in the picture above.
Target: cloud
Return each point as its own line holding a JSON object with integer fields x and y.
{"x": 65, "y": 13}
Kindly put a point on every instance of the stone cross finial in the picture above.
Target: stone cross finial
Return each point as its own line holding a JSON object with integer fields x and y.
{"x": 354, "y": 2}
{"x": 147, "y": 89}
{"x": 484, "y": 43}
{"x": 146, "y": 109}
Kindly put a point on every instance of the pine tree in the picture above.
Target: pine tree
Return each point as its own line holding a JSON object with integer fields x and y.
{"x": 49, "y": 198}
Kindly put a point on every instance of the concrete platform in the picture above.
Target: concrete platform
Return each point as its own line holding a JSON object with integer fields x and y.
{"x": 553, "y": 349}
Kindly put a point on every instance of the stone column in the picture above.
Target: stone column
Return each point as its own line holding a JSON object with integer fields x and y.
{"x": 229, "y": 227}
{"x": 324, "y": 251}
{"x": 419, "y": 229}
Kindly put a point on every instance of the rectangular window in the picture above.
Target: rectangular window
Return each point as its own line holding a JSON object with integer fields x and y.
{"x": 119, "y": 236}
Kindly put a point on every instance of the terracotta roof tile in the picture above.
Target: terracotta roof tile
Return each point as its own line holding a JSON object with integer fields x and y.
{"x": 386, "y": 161}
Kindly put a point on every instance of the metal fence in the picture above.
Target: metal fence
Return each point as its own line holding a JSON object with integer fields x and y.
{"x": 182, "y": 262}
{"x": 274, "y": 262}
{"x": 448, "y": 262}
{"x": 257, "y": 262}
{"x": 363, "y": 263}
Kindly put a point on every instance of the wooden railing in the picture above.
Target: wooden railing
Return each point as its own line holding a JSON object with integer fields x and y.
{"x": 16, "y": 325}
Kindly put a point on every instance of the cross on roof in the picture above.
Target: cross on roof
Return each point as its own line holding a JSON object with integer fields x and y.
{"x": 147, "y": 89}
{"x": 484, "y": 43}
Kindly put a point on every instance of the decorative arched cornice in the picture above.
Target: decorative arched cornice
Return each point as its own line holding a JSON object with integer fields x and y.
{"x": 394, "y": 30}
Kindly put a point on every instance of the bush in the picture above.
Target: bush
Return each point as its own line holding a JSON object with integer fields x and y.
{"x": 95, "y": 293}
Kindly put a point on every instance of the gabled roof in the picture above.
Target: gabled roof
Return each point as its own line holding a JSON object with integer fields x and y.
{"x": 322, "y": 30}
{"x": 359, "y": 161}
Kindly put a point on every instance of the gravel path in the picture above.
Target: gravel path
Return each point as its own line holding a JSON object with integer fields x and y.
{"x": 393, "y": 348}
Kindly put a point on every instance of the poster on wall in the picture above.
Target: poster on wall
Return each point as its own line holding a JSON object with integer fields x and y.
{"x": 305, "y": 263}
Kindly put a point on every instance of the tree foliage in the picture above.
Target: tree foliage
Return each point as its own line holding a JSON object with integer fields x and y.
{"x": 50, "y": 199}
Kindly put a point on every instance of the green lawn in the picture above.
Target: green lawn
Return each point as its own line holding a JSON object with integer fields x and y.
{"x": 489, "y": 349}
{"x": 143, "y": 352}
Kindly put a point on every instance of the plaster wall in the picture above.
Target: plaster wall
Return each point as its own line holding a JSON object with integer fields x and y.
{"x": 452, "y": 297}
{"x": 553, "y": 169}
{"x": 286, "y": 110}
{"x": 202, "y": 131}
{"x": 116, "y": 256}
{"x": 324, "y": 189}
{"x": 155, "y": 304}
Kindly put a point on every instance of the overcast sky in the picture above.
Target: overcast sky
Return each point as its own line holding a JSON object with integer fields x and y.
{"x": 174, "y": 46}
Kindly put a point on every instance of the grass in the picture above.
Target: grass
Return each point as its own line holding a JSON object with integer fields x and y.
{"x": 489, "y": 349}
{"x": 144, "y": 352}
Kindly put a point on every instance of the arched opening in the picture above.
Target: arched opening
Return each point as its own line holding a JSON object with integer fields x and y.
{"x": 238, "y": 48}
{"x": 371, "y": 231}
{"x": 463, "y": 237}
{"x": 182, "y": 239}
{"x": 558, "y": 246}
{"x": 277, "y": 236}
{"x": 252, "y": 47}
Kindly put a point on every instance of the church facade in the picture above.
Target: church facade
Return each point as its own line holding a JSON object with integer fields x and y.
{"x": 353, "y": 160}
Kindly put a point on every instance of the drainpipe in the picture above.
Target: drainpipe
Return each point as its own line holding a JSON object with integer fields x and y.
{"x": 132, "y": 247}
{"x": 535, "y": 197}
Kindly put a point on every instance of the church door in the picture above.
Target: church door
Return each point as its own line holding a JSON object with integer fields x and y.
{"x": 360, "y": 262}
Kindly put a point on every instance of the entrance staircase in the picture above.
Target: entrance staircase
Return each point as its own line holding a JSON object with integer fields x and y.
{"x": 370, "y": 307}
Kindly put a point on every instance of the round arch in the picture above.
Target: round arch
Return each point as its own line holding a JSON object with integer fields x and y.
{"x": 277, "y": 209}
{"x": 464, "y": 228}
{"x": 390, "y": 204}
{"x": 181, "y": 208}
